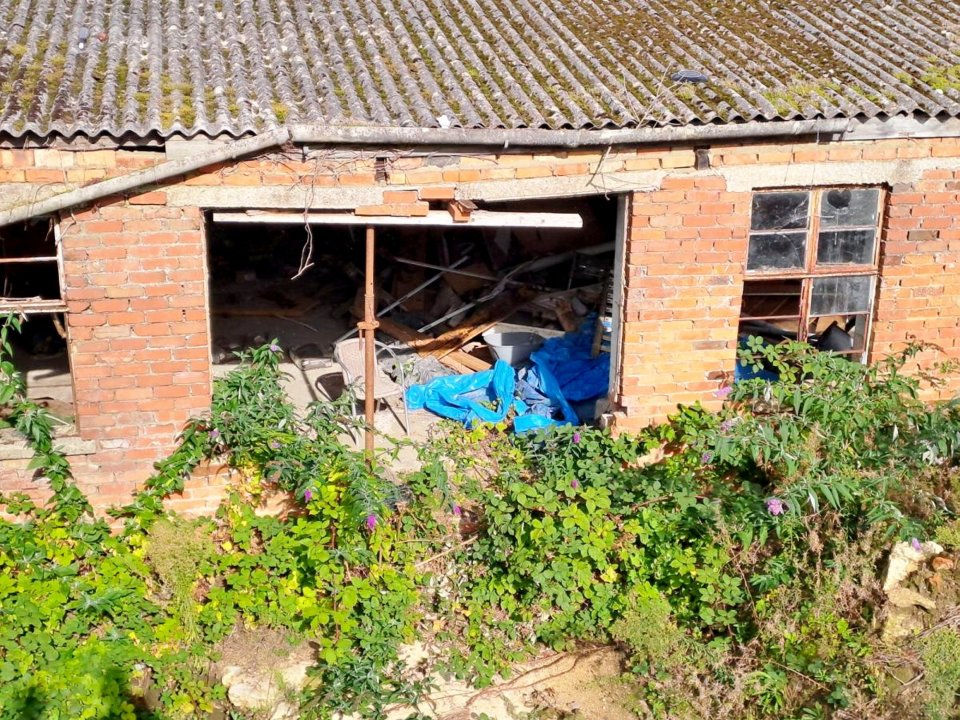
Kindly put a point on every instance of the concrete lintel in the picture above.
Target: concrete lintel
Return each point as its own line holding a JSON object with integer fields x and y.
{"x": 14, "y": 446}
{"x": 347, "y": 198}
{"x": 746, "y": 178}
{"x": 610, "y": 183}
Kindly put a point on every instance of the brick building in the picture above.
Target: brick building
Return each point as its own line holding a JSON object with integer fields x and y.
{"x": 747, "y": 184}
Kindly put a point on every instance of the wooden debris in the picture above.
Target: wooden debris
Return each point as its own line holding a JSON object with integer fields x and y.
{"x": 455, "y": 360}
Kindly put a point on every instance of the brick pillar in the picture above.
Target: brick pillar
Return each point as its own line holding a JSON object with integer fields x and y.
{"x": 919, "y": 294}
{"x": 684, "y": 280}
{"x": 136, "y": 292}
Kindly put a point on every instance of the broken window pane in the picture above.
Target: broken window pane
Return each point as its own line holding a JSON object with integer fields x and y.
{"x": 771, "y": 309}
{"x": 28, "y": 263}
{"x": 771, "y": 298}
{"x": 846, "y": 247}
{"x": 846, "y": 207}
{"x": 845, "y": 334}
{"x": 780, "y": 211}
{"x": 841, "y": 295}
{"x": 770, "y": 251}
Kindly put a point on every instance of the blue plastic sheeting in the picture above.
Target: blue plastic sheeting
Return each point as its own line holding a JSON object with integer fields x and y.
{"x": 462, "y": 397}
{"x": 567, "y": 359}
{"x": 746, "y": 371}
{"x": 561, "y": 371}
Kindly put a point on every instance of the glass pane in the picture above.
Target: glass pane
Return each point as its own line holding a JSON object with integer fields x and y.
{"x": 845, "y": 247}
{"x": 849, "y": 207}
{"x": 770, "y": 251}
{"x": 841, "y": 295}
{"x": 780, "y": 211}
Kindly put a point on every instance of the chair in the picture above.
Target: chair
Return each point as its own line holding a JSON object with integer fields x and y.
{"x": 348, "y": 354}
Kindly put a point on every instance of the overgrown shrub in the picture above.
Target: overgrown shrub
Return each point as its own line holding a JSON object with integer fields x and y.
{"x": 732, "y": 554}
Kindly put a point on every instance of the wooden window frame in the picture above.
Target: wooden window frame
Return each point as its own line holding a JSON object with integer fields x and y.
{"x": 812, "y": 271}
{"x": 28, "y": 306}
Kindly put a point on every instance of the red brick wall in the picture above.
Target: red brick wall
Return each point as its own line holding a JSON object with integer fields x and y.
{"x": 919, "y": 295}
{"x": 684, "y": 278}
{"x": 137, "y": 297}
{"x": 135, "y": 290}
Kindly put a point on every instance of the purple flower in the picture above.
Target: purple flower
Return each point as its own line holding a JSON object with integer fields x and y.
{"x": 275, "y": 444}
{"x": 274, "y": 348}
{"x": 574, "y": 483}
{"x": 371, "y": 522}
{"x": 706, "y": 457}
{"x": 307, "y": 495}
{"x": 915, "y": 544}
{"x": 457, "y": 510}
{"x": 576, "y": 438}
{"x": 728, "y": 425}
{"x": 775, "y": 506}
{"x": 723, "y": 392}
{"x": 214, "y": 434}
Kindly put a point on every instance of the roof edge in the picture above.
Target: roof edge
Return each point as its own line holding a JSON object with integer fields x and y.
{"x": 392, "y": 136}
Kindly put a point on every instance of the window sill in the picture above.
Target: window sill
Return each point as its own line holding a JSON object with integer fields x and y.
{"x": 13, "y": 446}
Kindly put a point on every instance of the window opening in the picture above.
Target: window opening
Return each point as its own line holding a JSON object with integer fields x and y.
{"x": 30, "y": 285}
{"x": 812, "y": 268}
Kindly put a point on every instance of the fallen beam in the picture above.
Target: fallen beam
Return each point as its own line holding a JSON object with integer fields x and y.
{"x": 456, "y": 360}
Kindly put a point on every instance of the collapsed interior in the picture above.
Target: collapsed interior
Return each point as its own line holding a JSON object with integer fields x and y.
{"x": 450, "y": 300}
{"x": 30, "y": 289}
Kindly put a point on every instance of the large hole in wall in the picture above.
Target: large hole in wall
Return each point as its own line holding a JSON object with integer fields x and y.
{"x": 30, "y": 289}
{"x": 259, "y": 294}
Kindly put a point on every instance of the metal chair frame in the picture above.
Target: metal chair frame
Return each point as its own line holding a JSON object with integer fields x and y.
{"x": 353, "y": 376}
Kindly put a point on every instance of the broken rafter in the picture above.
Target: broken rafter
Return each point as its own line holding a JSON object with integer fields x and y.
{"x": 455, "y": 360}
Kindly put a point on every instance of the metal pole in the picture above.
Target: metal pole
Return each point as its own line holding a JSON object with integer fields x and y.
{"x": 368, "y": 327}
{"x": 395, "y": 303}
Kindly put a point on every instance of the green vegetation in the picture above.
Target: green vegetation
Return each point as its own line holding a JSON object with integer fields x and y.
{"x": 733, "y": 556}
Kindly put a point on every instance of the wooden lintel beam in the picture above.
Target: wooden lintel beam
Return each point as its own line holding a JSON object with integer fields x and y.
{"x": 435, "y": 218}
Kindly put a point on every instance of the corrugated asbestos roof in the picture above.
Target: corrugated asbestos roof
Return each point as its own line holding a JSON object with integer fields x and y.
{"x": 153, "y": 68}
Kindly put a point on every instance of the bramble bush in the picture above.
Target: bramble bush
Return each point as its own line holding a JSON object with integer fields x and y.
{"x": 730, "y": 554}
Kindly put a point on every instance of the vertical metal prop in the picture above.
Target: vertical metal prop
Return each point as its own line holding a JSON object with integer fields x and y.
{"x": 368, "y": 328}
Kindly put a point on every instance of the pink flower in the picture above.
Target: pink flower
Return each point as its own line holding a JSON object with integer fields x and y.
{"x": 457, "y": 510}
{"x": 274, "y": 348}
{"x": 915, "y": 544}
{"x": 214, "y": 434}
{"x": 576, "y": 438}
{"x": 371, "y": 522}
{"x": 574, "y": 483}
{"x": 723, "y": 392}
{"x": 775, "y": 506}
{"x": 307, "y": 495}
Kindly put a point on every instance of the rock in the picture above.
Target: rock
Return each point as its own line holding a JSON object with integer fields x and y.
{"x": 261, "y": 692}
{"x": 906, "y": 559}
{"x": 295, "y": 676}
{"x": 941, "y": 563}
{"x": 284, "y": 711}
{"x": 901, "y": 623}
{"x": 231, "y": 674}
{"x": 254, "y": 694}
{"x": 902, "y": 597}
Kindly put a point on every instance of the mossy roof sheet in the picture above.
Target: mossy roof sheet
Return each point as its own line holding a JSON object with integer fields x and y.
{"x": 154, "y": 68}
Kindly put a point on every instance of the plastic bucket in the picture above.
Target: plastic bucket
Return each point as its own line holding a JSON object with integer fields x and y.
{"x": 513, "y": 348}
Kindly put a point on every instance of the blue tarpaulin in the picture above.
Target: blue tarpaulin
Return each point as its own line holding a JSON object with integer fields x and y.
{"x": 561, "y": 371}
